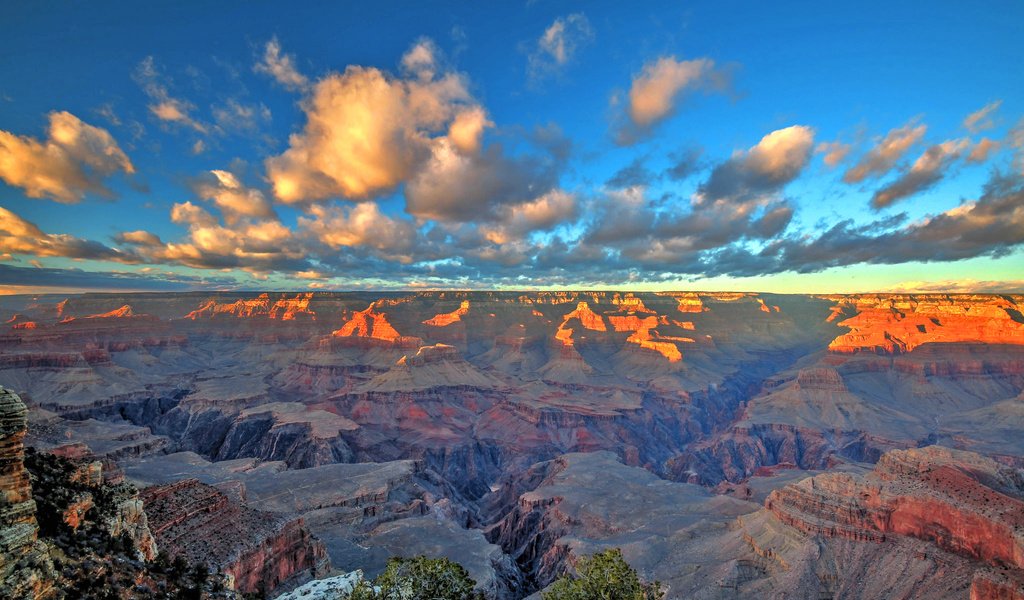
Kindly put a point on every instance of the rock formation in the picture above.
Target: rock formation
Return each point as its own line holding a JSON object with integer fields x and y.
{"x": 962, "y": 502}
{"x": 259, "y": 550}
{"x": 372, "y": 327}
{"x": 446, "y": 319}
{"x": 899, "y": 324}
{"x": 283, "y": 309}
{"x": 25, "y": 567}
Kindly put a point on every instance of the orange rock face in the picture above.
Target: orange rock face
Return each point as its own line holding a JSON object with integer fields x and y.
{"x": 370, "y": 325}
{"x": 898, "y": 324}
{"x": 961, "y": 501}
{"x": 284, "y": 309}
{"x": 588, "y": 318}
{"x": 641, "y": 327}
{"x": 446, "y": 319}
{"x": 690, "y": 303}
{"x": 124, "y": 312}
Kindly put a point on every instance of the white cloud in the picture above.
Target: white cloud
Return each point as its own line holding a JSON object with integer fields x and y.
{"x": 72, "y": 161}
{"x": 368, "y": 131}
{"x": 362, "y": 224}
{"x": 234, "y": 199}
{"x": 654, "y": 91}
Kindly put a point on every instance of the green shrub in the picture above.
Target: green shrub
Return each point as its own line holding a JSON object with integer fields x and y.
{"x": 604, "y": 576}
{"x": 418, "y": 578}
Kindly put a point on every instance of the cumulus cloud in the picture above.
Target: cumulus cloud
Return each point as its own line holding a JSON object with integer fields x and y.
{"x": 558, "y": 45}
{"x": 981, "y": 119}
{"x": 19, "y": 236}
{"x": 546, "y": 212}
{"x": 467, "y": 129}
{"x": 71, "y": 161}
{"x": 362, "y": 225}
{"x": 773, "y": 162}
{"x": 883, "y": 156}
{"x": 252, "y": 244}
{"x": 367, "y": 131}
{"x": 656, "y": 90}
{"x": 454, "y": 186}
{"x": 163, "y": 105}
{"x": 234, "y": 199}
{"x": 281, "y": 67}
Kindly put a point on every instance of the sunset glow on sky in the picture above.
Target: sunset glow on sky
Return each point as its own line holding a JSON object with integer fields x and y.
{"x": 781, "y": 147}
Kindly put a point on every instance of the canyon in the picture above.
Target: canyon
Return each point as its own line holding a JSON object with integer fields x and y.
{"x": 731, "y": 444}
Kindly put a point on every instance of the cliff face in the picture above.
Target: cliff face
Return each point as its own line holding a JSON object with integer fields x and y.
{"x": 25, "y": 567}
{"x": 899, "y": 324}
{"x": 960, "y": 501}
{"x": 283, "y": 309}
{"x": 371, "y": 327}
{"x": 260, "y": 550}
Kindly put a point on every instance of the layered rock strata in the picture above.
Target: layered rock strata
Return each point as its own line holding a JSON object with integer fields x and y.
{"x": 259, "y": 550}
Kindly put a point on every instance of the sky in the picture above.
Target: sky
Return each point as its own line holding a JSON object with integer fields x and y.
{"x": 802, "y": 147}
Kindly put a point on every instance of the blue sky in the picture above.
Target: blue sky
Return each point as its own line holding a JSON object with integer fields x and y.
{"x": 804, "y": 147}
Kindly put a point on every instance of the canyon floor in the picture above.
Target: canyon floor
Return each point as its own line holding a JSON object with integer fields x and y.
{"x": 733, "y": 445}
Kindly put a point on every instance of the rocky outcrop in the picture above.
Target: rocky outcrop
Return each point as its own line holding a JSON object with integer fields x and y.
{"x": 25, "y": 567}
{"x": 259, "y": 550}
{"x": 290, "y": 432}
{"x": 899, "y": 324}
{"x": 282, "y": 309}
{"x": 337, "y": 587}
{"x": 436, "y": 366}
{"x": 370, "y": 327}
{"x": 446, "y": 319}
{"x": 962, "y": 502}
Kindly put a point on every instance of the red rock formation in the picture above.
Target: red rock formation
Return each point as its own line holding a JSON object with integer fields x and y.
{"x": 629, "y": 302}
{"x": 446, "y": 319}
{"x": 284, "y": 309}
{"x": 587, "y": 318}
{"x": 259, "y": 550}
{"x": 289, "y": 309}
{"x": 21, "y": 322}
{"x": 690, "y": 303}
{"x": 961, "y": 501}
{"x": 898, "y": 324}
{"x": 371, "y": 326}
{"x": 124, "y": 312}
{"x": 987, "y": 586}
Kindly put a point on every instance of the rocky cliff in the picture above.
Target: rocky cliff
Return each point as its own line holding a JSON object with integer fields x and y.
{"x": 962, "y": 502}
{"x": 259, "y": 550}
{"x": 25, "y": 567}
